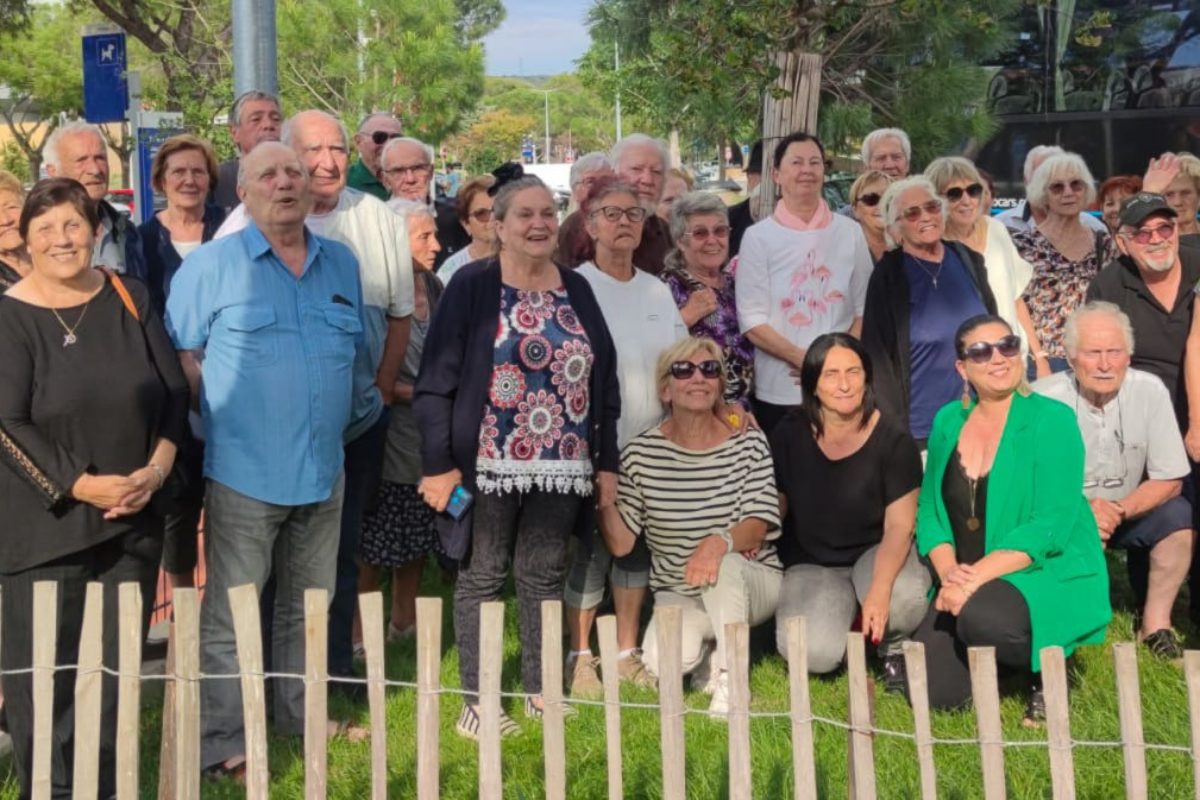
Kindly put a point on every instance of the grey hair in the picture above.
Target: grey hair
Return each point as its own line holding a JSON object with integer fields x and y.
{"x": 878, "y": 135}
{"x": 407, "y": 209}
{"x": 640, "y": 140}
{"x": 235, "y": 111}
{"x": 73, "y": 128}
{"x": 1037, "y": 155}
{"x": 362, "y": 123}
{"x": 686, "y": 206}
{"x": 408, "y": 140}
{"x": 1062, "y": 165}
{"x": 1095, "y": 308}
{"x": 592, "y": 162}
{"x": 891, "y": 198}
{"x": 508, "y": 191}
{"x": 947, "y": 169}
{"x": 288, "y": 134}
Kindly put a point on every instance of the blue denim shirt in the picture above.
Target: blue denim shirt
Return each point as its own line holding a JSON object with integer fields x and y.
{"x": 279, "y": 361}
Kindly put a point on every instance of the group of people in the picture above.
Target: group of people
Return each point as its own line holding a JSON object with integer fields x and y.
{"x": 824, "y": 412}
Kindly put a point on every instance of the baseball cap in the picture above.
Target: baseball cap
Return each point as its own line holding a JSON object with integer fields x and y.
{"x": 1136, "y": 208}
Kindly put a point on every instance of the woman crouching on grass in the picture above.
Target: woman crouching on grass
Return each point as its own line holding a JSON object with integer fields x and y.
{"x": 703, "y": 496}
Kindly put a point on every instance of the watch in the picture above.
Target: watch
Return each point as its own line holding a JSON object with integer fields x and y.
{"x": 727, "y": 538}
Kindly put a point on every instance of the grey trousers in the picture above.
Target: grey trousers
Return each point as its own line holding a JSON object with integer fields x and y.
{"x": 829, "y": 598}
{"x": 245, "y": 538}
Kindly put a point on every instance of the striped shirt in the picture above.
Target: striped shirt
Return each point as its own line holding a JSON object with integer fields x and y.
{"x": 676, "y": 497}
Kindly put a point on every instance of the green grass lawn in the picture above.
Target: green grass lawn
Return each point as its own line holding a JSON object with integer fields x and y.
{"x": 1099, "y": 771}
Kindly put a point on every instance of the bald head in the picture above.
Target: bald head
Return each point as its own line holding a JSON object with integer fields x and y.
{"x": 321, "y": 142}
{"x": 274, "y": 186}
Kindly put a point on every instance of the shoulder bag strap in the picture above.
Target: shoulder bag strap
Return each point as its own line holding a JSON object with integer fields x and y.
{"x": 126, "y": 298}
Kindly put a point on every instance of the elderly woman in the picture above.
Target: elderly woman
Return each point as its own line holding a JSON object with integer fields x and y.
{"x": 865, "y": 194}
{"x": 802, "y": 272}
{"x": 1112, "y": 193}
{"x": 474, "y": 209}
{"x": 1065, "y": 253}
{"x": 584, "y": 172}
{"x": 702, "y": 287}
{"x": 710, "y": 552}
{"x": 642, "y": 317}
{"x": 517, "y": 403}
{"x": 919, "y": 294}
{"x": 14, "y": 256}
{"x": 1004, "y": 522}
{"x": 92, "y": 405}
{"x": 969, "y": 222}
{"x": 848, "y": 478}
{"x": 676, "y": 184}
{"x": 1176, "y": 176}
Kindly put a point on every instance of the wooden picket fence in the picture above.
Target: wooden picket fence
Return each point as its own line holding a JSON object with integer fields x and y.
{"x": 180, "y": 772}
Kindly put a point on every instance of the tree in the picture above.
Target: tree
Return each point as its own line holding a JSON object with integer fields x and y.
{"x": 493, "y": 139}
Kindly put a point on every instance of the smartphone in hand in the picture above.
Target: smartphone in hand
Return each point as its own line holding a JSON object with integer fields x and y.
{"x": 460, "y": 502}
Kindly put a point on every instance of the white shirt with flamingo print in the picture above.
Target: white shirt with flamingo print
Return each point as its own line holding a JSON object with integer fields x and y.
{"x": 802, "y": 284}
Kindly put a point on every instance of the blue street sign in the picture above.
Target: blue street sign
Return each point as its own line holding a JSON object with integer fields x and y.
{"x": 153, "y": 129}
{"x": 105, "y": 96}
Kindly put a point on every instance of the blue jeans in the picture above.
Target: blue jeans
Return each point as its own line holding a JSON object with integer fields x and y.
{"x": 245, "y": 540}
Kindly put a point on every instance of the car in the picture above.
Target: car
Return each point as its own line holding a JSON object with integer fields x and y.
{"x": 121, "y": 200}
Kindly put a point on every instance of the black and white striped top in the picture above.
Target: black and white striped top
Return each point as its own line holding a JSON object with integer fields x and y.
{"x": 676, "y": 497}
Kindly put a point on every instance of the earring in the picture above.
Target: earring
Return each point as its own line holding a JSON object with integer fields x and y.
{"x": 966, "y": 395}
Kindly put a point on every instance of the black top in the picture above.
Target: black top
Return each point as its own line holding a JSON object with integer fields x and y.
{"x": 8, "y": 277}
{"x": 1160, "y": 333}
{"x": 97, "y": 406}
{"x": 956, "y": 494}
{"x": 740, "y": 220}
{"x": 451, "y": 235}
{"x": 224, "y": 194}
{"x": 836, "y": 507}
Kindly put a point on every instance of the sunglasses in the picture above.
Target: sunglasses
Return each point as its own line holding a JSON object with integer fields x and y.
{"x": 381, "y": 137}
{"x": 871, "y": 200}
{"x": 702, "y": 234}
{"x": 914, "y": 213}
{"x": 981, "y": 352}
{"x": 1147, "y": 235}
{"x": 974, "y": 191}
{"x": 481, "y": 214}
{"x": 614, "y": 213}
{"x": 1058, "y": 187}
{"x": 682, "y": 370}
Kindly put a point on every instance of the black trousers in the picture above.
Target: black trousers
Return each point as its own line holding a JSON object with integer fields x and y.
{"x": 995, "y": 616}
{"x": 133, "y": 557}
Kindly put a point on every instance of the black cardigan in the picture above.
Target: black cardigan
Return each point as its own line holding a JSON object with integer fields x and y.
{"x": 456, "y": 369}
{"x": 162, "y": 259}
{"x": 886, "y": 324}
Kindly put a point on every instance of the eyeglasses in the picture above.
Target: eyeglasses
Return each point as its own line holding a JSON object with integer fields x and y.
{"x": 1058, "y": 187}
{"x": 682, "y": 370}
{"x": 913, "y": 213}
{"x": 1147, "y": 235}
{"x": 614, "y": 213}
{"x": 1104, "y": 455}
{"x": 416, "y": 170}
{"x": 703, "y": 234}
{"x": 981, "y": 352}
{"x": 871, "y": 200}
{"x": 481, "y": 214}
{"x": 974, "y": 191}
{"x": 381, "y": 137}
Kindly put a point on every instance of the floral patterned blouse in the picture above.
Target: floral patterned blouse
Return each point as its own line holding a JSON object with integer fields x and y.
{"x": 722, "y": 327}
{"x": 534, "y": 432}
{"x": 1058, "y": 285}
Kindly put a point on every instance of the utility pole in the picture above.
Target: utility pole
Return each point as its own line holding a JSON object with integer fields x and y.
{"x": 617, "y": 68}
{"x": 546, "y": 155}
{"x": 254, "y": 47}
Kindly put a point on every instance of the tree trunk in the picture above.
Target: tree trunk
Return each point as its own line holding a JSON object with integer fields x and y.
{"x": 676, "y": 158}
{"x": 799, "y": 84}
{"x": 35, "y": 166}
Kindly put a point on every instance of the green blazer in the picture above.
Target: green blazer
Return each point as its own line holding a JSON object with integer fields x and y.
{"x": 1035, "y": 504}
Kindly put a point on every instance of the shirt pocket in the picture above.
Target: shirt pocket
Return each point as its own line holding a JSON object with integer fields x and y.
{"x": 341, "y": 332}
{"x": 252, "y": 335}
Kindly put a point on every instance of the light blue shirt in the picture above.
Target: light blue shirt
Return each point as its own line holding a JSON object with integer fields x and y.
{"x": 279, "y": 362}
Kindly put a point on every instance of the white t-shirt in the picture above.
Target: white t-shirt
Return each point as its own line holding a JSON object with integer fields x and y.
{"x": 453, "y": 264}
{"x": 802, "y": 284}
{"x": 643, "y": 320}
{"x": 1008, "y": 274}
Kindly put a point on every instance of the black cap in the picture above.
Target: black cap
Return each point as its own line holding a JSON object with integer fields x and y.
{"x": 1136, "y": 208}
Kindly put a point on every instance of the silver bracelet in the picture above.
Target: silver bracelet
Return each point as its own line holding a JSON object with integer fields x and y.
{"x": 162, "y": 477}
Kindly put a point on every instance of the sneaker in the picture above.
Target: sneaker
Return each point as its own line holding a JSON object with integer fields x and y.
{"x": 583, "y": 679}
{"x": 633, "y": 670}
{"x": 468, "y": 723}
{"x": 718, "y": 707}
{"x": 1164, "y": 643}
{"x": 536, "y": 712}
{"x": 1035, "y": 708}
{"x": 895, "y": 674}
{"x": 704, "y": 676}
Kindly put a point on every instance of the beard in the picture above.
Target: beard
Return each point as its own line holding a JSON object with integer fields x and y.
{"x": 1159, "y": 262}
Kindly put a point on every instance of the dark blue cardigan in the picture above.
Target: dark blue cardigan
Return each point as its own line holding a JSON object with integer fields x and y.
{"x": 456, "y": 370}
{"x": 162, "y": 259}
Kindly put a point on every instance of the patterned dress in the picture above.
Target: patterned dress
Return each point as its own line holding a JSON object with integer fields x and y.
{"x": 722, "y": 327}
{"x": 534, "y": 432}
{"x": 1058, "y": 285}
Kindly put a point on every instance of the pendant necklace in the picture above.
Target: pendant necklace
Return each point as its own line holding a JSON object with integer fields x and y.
{"x": 69, "y": 338}
{"x": 973, "y": 521}
{"x": 924, "y": 265}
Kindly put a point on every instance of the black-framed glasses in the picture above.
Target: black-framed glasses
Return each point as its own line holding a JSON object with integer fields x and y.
{"x": 981, "y": 352}
{"x": 913, "y": 213}
{"x": 682, "y": 370}
{"x": 974, "y": 191}
{"x": 870, "y": 200}
{"x": 381, "y": 137}
{"x": 614, "y": 213}
{"x": 1146, "y": 235}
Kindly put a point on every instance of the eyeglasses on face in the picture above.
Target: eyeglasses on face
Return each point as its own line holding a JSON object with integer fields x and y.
{"x": 974, "y": 191}
{"x": 415, "y": 170}
{"x": 1058, "y": 187}
{"x": 481, "y": 214}
{"x": 1161, "y": 232}
{"x": 913, "y": 213}
{"x": 703, "y": 234}
{"x": 981, "y": 352}
{"x": 682, "y": 370}
{"x": 870, "y": 200}
{"x": 614, "y": 213}
{"x": 381, "y": 137}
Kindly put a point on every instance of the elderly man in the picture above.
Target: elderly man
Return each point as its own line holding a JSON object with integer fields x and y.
{"x": 254, "y": 117}
{"x": 77, "y": 150}
{"x": 279, "y": 316}
{"x": 1134, "y": 464}
{"x": 375, "y": 131}
{"x": 1023, "y": 216}
{"x": 406, "y": 169}
{"x": 379, "y": 240}
{"x": 888, "y": 150}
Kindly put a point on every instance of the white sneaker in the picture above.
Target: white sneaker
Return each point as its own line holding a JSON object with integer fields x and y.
{"x": 704, "y": 676}
{"x": 718, "y": 708}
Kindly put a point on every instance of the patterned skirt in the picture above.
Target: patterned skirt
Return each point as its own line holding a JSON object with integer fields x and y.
{"x": 399, "y": 529}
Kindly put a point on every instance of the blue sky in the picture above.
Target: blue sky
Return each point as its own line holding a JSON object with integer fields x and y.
{"x": 538, "y": 37}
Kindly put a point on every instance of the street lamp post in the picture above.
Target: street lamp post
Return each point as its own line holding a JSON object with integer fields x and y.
{"x": 546, "y": 97}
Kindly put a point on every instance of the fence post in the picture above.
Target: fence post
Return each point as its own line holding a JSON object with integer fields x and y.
{"x": 918, "y": 694}
{"x": 129, "y": 696}
{"x": 45, "y": 628}
{"x": 247, "y": 631}
{"x": 985, "y": 693}
{"x": 187, "y": 694}
{"x": 606, "y": 632}
{"x": 316, "y": 688}
{"x": 88, "y": 681}
{"x": 862, "y": 750}
{"x": 668, "y": 623}
{"x": 166, "y": 749}
{"x": 491, "y": 663}
{"x": 1129, "y": 708}
{"x": 1191, "y": 672}
{"x": 803, "y": 762}
{"x": 429, "y": 662}
{"x": 552, "y": 700}
{"x": 1058, "y": 723}
{"x": 371, "y": 611}
{"x": 737, "y": 657}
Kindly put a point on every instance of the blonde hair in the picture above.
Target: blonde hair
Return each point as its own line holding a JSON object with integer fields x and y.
{"x": 676, "y": 172}
{"x": 1067, "y": 166}
{"x": 947, "y": 169}
{"x": 865, "y": 180}
{"x": 11, "y": 183}
{"x": 682, "y": 351}
{"x": 1189, "y": 165}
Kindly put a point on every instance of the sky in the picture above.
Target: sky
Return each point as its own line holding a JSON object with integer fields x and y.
{"x": 538, "y": 37}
